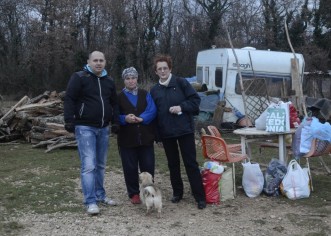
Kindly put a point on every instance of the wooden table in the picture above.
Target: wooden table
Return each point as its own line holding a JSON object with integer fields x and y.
{"x": 251, "y": 134}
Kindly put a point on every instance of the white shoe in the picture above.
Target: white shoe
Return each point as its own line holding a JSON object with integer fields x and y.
{"x": 108, "y": 201}
{"x": 93, "y": 209}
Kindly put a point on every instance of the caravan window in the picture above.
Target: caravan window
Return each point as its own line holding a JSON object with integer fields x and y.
{"x": 207, "y": 75}
{"x": 260, "y": 85}
{"x": 199, "y": 74}
{"x": 219, "y": 77}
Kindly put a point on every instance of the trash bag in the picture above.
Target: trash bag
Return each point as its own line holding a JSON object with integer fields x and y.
{"x": 252, "y": 179}
{"x": 273, "y": 176}
{"x": 210, "y": 183}
{"x": 295, "y": 184}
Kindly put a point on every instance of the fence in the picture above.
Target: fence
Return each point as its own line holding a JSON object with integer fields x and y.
{"x": 317, "y": 85}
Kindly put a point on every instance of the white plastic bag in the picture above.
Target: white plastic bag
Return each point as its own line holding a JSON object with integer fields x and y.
{"x": 253, "y": 179}
{"x": 295, "y": 184}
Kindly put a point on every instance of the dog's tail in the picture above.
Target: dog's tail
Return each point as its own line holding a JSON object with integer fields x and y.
{"x": 149, "y": 191}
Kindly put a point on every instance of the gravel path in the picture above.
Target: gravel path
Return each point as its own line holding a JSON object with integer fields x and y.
{"x": 241, "y": 216}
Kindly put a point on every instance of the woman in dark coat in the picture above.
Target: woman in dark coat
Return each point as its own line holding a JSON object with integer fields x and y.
{"x": 177, "y": 102}
{"x": 136, "y": 134}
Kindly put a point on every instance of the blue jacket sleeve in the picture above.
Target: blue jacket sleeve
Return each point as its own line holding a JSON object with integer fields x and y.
{"x": 150, "y": 112}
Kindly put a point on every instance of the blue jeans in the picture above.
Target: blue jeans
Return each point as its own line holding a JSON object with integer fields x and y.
{"x": 92, "y": 148}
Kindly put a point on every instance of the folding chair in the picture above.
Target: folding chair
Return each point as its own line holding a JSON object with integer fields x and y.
{"x": 216, "y": 149}
{"x": 215, "y": 132}
{"x": 318, "y": 149}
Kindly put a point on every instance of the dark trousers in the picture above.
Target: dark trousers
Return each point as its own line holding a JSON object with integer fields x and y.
{"x": 188, "y": 152}
{"x": 134, "y": 159}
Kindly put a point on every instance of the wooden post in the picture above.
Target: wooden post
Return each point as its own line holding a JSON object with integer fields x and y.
{"x": 298, "y": 82}
{"x": 218, "y": 114}
{"x": 241, "y": 79}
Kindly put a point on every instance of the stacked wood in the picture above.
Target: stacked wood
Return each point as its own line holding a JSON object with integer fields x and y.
{"x": 39, "y": 121}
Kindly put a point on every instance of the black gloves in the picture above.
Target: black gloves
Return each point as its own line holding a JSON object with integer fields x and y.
{"x": 115, "y": 128}
{"x": 70, "y": 127}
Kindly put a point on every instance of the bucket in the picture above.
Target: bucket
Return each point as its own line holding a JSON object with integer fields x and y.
{"x": 244, "y": 121}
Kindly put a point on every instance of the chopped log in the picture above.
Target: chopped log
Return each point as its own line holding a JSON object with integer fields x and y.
{"x": 46, "y": 142}
{"x": 67, "y": 144}
{"x": 21, "y": 115}
{"x": 39, "y": 120}
{"x": 38, "y": 129}
{"x": 36, "y": 136}
{"x": 7, "y": 119}
{"x": 10, "y": 137}
{"x": 62, "y": 95}
{"x": 39, "y": 97}
{"x": 13, "y": 124}
{"x": 53, "y": 96}
{"x": 32, "y": 140}
{"x": 55, "y": 140}
{"x": 42, "y": 121}
{"x": 41, "y": 101}
{"x": 54, "y": 125}
{"x": 55, "y": 133}
{"x": 20, "y": 102}
{"x": 33, "y": 106}
{"x": 45, "y": 111}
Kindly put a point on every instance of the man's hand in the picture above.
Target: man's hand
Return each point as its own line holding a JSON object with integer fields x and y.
{"x": 70, "y": 127}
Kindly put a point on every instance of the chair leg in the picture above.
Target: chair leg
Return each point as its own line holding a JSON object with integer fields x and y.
{"x": 325, "y": 166}
{"x": 310, "y": 177}
{"x": 234, "y": 180}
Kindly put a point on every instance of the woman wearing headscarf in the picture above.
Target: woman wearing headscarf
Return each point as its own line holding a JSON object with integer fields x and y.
{"x": 136, "y": 134}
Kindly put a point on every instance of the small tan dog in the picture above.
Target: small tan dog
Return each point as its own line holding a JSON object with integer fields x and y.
{"x": 149, "y": 193}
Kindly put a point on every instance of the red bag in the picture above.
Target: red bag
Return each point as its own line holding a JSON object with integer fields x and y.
{"x": 210, "y": 184}
{"x": 294, "y": 119}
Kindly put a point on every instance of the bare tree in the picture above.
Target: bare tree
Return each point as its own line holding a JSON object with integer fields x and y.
{"x": 244, "y": 23}
{"x": 43, "y": 41}
{"x": 215, "y": 10}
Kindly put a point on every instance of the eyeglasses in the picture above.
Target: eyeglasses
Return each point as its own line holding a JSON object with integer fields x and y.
{"x": 162, "y": 69}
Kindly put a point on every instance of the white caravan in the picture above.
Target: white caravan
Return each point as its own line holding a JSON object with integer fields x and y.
{"x": 217, "y": 69}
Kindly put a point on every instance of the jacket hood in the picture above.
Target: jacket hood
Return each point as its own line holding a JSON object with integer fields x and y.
{"x": 88, "y": 69}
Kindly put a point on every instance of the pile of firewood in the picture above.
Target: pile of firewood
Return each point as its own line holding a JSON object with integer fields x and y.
{"x": 39, "y": 121}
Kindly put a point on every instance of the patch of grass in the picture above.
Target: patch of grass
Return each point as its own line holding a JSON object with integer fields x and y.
{"x": 32, "y": 181}
{"x": 10, "y": 228}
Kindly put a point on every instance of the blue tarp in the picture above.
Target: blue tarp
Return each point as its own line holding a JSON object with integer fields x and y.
{"x": 208, "y": 103}
{"x": 192, "y": 79}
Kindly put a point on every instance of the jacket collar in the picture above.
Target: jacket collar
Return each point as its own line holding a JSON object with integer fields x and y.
{"x": 88, "y": 69}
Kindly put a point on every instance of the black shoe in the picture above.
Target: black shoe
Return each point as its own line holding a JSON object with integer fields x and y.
{"x": 176, "y": 199}
{"x": 201, "y": 204}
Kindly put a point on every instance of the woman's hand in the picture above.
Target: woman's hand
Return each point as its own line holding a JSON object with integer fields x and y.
{"x": 131, "y": 118}
{"x": 175, "y": 110}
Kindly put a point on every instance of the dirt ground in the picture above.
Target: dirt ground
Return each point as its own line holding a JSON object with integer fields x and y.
{"x": 242, "y": 216}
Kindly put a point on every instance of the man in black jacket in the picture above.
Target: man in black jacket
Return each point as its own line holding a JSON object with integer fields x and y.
{"x": 90, "y": 104}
